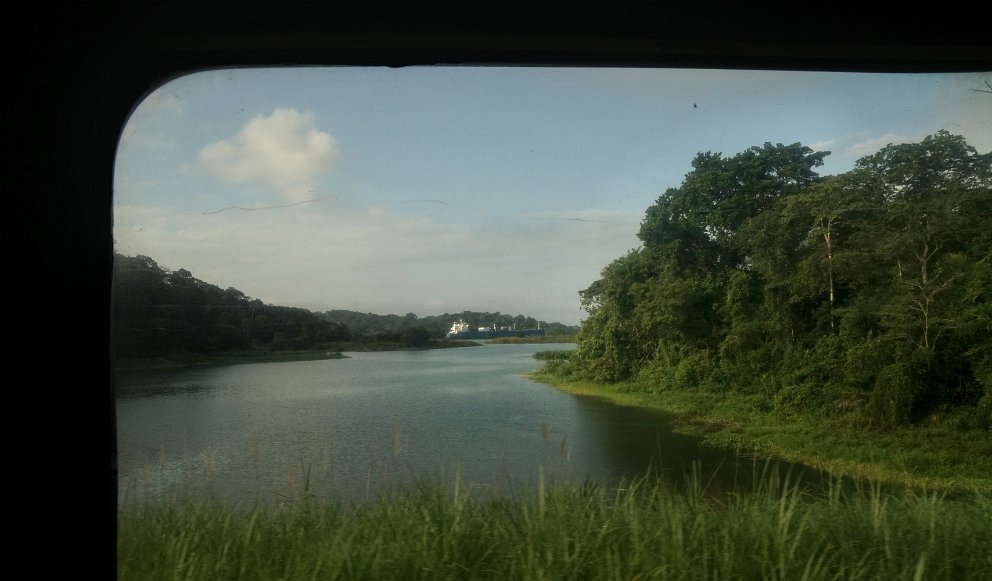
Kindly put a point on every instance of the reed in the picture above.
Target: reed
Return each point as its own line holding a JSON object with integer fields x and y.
{"x": 441, "y": 527}
{"x": 638, "y": 529}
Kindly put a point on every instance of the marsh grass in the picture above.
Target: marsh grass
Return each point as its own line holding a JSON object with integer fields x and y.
{"x": 637, "y": 529}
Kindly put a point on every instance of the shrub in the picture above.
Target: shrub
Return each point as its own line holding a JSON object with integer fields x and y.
{"x": 895, "y": 394}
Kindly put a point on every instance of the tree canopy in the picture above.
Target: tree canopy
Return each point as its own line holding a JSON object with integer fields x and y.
{"x": 158, "y": 312}
{"x": 865, "y": 293}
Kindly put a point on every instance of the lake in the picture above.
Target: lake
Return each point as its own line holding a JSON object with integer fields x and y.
{"x": 351, "y": 429}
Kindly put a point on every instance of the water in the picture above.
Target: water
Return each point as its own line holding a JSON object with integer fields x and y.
{"x": 351, "y": 429}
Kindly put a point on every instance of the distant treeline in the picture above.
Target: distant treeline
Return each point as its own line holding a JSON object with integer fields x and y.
{"x": 866, "y": 295}
{"x": 369, "y": 324}
{"x": 158, "y": 312}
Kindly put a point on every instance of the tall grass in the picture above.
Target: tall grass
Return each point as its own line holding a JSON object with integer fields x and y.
{"x": 639, "y": 529}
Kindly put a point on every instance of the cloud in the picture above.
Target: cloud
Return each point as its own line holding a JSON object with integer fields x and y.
{"x": 283, "y": 150}
{"x": 847, "y": 149}
{"x": 872, "y": 145}
{"x": 825, "y": 145}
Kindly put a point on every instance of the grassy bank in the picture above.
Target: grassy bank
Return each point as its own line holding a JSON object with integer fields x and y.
{"x": 929, "y": 457}
{"x": 638, "y": 531}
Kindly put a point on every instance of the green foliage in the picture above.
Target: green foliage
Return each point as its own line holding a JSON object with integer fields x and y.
{"x": 895, "y": 395}
{"x": 634, "y": 530}
{"x": 606, "y": 349}
{"x": 757, "y": 275}
{"x": 161, "y": 313}
{"x": 557, "y": 364}
{"x": 807, "y": 379}
{"x": 417, "y": 336}
{"x": 863, "y": 361}
{"x": 977, "y": 302}
{"x": 679, "y": 367}
{"x": 557, "y": 355}
{"x": 158, "y": 312}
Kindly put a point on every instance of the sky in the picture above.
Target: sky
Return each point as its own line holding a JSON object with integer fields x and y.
{"x": 441, "y": 189}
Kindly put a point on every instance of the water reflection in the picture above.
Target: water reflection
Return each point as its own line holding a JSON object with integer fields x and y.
{"x": 351, "y": 429}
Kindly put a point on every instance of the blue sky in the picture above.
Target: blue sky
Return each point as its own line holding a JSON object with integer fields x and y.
{"x": 443, "y": 189}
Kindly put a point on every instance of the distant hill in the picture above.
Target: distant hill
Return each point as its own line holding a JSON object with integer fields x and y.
{"x": 158, "y": 312}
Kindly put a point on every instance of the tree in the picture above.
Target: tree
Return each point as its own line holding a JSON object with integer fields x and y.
{"x": 672, "y": 291}
{"x": 937, "y": 196}
{"x": 417, "y": 336}
{"x": 610, "y": 346}
{"x": 702, "y": 219}
{"x": 757, "y": 274}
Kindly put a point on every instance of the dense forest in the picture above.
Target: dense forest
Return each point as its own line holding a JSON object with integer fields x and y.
{"x": 866, "y": 295}
{"x": 158, "y": 312}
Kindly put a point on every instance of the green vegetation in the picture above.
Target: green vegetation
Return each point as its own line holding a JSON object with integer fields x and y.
{"x": 841, "y": 322}
{"x": 555, "y": 355}
{"x": 934, "y": 456}
{"x": 158, "y": 313}
{"x": 534, "y": 340}
{"x": 164, "y": 318}
{"x": 639, "y": 530}
{"x": 863, "y": 298}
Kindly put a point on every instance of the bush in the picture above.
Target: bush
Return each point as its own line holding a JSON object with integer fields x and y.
{"x": 961, "y": 418}
{"x": 655, "y": 377}
{"x": 695, "y": 371}
{"x": 895, "y": 394}
{"x": 863, "y": 361}
{"x": 681, "y": 369}
{"x": 794, "y": 397}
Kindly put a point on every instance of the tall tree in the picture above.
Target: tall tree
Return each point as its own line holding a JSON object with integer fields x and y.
{"x": 937, "y": 196}
{"x": 871, "y": 284}
{"x": 671, "y": 290}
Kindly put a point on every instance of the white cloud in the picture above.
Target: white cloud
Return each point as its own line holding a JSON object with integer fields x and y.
{"x": 825, "y": 145}
{"x": 283, "y": 150}
{"x": 847, "y": 149}
{"x": 872, "y": 145}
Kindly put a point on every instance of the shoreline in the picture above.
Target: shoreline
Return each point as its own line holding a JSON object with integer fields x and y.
{"x": 179, "y": 360}
{"x": 198, "y": 360}
{"x": 932, "y": 459}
